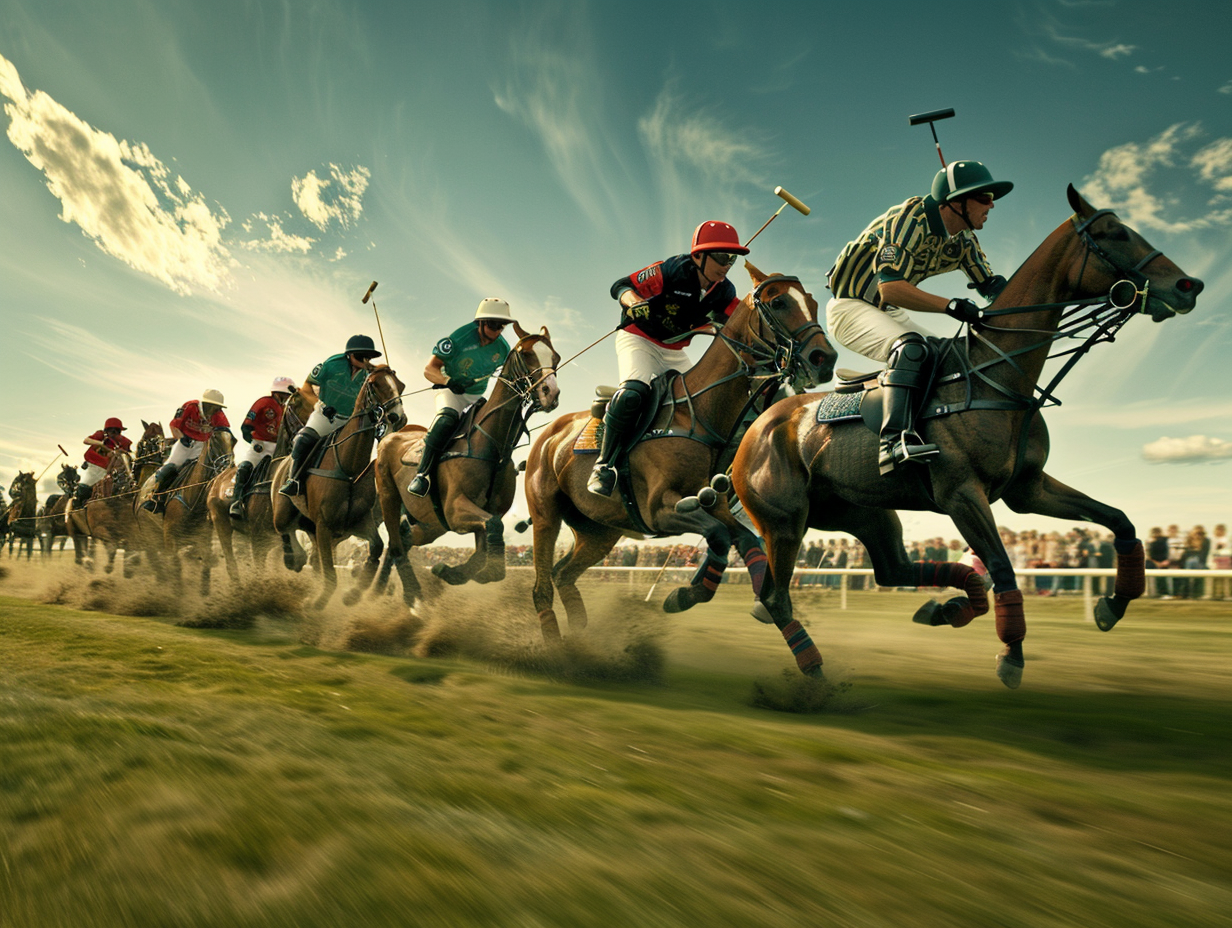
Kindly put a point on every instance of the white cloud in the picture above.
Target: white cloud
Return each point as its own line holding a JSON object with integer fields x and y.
{"x": 1127, "y": 179}
{"x": 1112, "y": 50}
{"x": 1214, "y": 164}
{"x": 1196, "y": 449}
{"x": 338, "y": 198}
{"x": 1117, "y": 51}
{"x": 118, "y": 193}
{"x": 280, "y": 241}
{"x": 679, "y": 136}
{"x": 1226, "y": 88}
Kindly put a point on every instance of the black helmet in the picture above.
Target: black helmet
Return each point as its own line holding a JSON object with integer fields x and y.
{"x": 362, "y": 345}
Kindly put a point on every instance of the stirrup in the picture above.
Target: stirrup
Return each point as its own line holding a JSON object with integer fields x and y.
{"x": 906, "y": 448}
{"x": 602, "y": 480}
{"x": 290, "y": 489}
{"x": 419, "y": 485}
{"x": 152, "y": 505}
{"x": 236, "y": 510}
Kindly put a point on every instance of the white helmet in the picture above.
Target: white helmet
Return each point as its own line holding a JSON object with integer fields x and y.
{"x": 494, "y": 310}
{"x": 283, "y": 385}
{"x": 213, "y": 397}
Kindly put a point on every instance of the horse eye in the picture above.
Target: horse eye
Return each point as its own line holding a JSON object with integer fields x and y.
{"x": 780, "y": 303}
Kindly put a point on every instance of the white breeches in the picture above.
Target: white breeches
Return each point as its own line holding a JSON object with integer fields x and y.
{"x": 867, "y": 330}
{"x": 639, "y": 358}
{"x": 460, "y": 402}
{"x": 181, "y": 454}
{"x": 93, "y": 474}
{"x": 323, "y": 425}
{"x": 253, "y": 453}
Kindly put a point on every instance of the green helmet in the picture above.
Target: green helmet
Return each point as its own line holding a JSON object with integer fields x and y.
{"x": 963, "y": 178}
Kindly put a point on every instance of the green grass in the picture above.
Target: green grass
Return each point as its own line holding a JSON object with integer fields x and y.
{"x": 261, "y": 774}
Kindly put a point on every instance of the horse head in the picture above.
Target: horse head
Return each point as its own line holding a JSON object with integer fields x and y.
{"x": 782, "y": 315}
{"x": 380, "y": 399}
{"x": 68, "y": 478}
{"x": 531, "y": 368}
{"x": 22, "y": 484}
{"x": 1124, "y": 255}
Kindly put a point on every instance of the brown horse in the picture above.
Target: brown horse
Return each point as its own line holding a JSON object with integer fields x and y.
{"x": 258, "y": 522}
{"x": 107, "y": 516}
{"x": 339, "y": 497}
{"x": 791, "y": 473}
{"x": 475, "y": 481}
{"x": 20, "y": 523}
{"x": 772, "y": 337}
{"x": 183, "y": 522}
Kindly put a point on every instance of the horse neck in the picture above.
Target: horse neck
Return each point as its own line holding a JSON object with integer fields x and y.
{"x": 720, "y": 404}
{"x": 500, "y": 419}
{"x": 1042, "y": 279}
{"x": 352, "y": 447}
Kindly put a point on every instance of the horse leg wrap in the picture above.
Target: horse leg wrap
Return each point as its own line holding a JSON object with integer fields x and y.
{"x": 756, "y": 562}
{"x": 936, "y": 573}
{"x": 808, "y": 658}
{"x": 549, "y": 626}
{"x": 1011, "y": 620}
{"x": 1130, "y": 568}
{"x": 709, "y": 575}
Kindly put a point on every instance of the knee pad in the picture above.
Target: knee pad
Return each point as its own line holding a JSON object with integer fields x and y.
{"x": 910, "y": 361}
{"x": 628, "y": 400}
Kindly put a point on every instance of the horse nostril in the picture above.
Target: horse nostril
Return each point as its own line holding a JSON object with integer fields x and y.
{"x": 818, "y": 359}
{"x": 1189, "y": 285}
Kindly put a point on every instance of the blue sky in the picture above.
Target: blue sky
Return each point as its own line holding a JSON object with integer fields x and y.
{"x": 197, "y": 195}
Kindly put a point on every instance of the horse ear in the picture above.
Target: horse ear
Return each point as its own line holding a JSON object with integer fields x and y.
{"x": 1077, "y": 203}
{"x": 522, "y": 333}
{"x": 754, "y": 273}
{"x": 144, "y": 424}
{"x": 543, "y": 330}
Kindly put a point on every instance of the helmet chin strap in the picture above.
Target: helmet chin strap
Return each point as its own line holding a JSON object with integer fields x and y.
{"x": 963, "y": 212}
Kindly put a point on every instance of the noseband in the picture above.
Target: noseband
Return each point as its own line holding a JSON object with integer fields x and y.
{"x": 788, "y": 343}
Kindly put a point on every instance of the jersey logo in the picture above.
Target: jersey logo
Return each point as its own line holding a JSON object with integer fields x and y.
{"x": 889, "y": 254}
{"x": 647, "y": 273}
{"x": 444, "y": 347}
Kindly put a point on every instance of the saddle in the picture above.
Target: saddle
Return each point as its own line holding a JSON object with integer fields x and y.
{"x": 260, "y": 481}
{"x": 592, "y": 435}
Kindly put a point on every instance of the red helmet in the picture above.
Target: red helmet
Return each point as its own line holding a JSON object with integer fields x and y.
{"x": 717, "y": 236}
{"x": 114, "y": 423}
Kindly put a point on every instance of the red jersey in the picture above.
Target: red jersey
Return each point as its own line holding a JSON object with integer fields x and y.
{"x": 263, "y": 418}
{"x": 188, "y": 419}
{"x": 94, "y": 456}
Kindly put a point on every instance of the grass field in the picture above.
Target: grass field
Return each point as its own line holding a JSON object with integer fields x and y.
{"x": 276, "y": 771}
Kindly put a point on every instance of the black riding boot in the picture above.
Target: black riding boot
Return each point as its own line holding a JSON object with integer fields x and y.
{"x": 437, "y": 437}
{"x": 163, "y": 478}
{"x": 623, "y": 411}
{"x": 301, "y": 448}
{"x": 906, "y": 375}
{"x": 243, "y": 473}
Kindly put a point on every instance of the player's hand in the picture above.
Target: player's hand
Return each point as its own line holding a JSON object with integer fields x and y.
{"x": 964, "y": 311}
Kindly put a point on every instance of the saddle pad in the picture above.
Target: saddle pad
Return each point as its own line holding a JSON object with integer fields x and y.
{"x": 588, "y": 441}
{"x": 413, "y": 454}
{"x": 836, "y": 407}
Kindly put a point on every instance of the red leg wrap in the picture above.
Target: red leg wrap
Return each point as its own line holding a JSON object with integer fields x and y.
{"x": 1011, "y": 621}
{"x": 1131, "y": 573}
{"x": 936, "y": 573}
{"x": 755, "y": 561}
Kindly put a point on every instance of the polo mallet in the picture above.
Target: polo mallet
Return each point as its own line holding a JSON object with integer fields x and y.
{"x": 53, "y": 461}
{"x": 931, "y": 118}
{"x": 788, "y": 199}
{"x": 378, "y": 319}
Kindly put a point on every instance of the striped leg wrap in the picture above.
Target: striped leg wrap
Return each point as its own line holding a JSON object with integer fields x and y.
{"x": 944, "y": 573}
{"x": 710, "y": 574}
{"x": 1011, "y": 621}
{"x": 807, "y": 655}
{"x": 1130, "y": 568}
{"x": 756, "y": 561}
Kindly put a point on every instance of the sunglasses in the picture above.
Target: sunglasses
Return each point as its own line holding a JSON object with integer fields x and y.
{"x": 494, "y": 325}
{"x": 984, "y": 198}
{"x": 725, "y": 258}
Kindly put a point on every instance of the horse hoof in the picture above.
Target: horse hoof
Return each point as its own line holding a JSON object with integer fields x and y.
{"x": 439, "y": 569}
{"x": 1106, "y": 614}
{"x": 761, "y": 613}
{"x": 721, "y": 483}
{"x": 814, "y": 671}
{"x": 1009, "y": 669}
{"x": 678, "y": 600}
{"x": 351, "y": 597}
{"x": 929, "y": 614}
{"x": 522, "y": 526}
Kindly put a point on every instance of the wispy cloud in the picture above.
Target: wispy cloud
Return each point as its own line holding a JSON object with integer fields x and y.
{"x": 118, "y": 193}
{"x": 1196, "y": 449}
{"x": 1109, "y": 49}
{"x": 1127, "y": 178}
{"x": 279, "y": 241}
{"x": 338, "y": 198}
{"x": 1226, "y": 88}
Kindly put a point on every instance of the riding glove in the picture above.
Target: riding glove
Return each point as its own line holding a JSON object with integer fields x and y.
{"x": 635, "y": 313}
{"x": 964, "y": 311}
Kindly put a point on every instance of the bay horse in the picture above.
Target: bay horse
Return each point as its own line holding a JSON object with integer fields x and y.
{"x": 476, "y": 478}
{"x": 772, "y": 337}
{"x": 1084, "y": 282}
{"x": 107, "y": 516}
{"x": 183, "y": 521}
{"x": 339, "y": 497}
{"x": 21, "y": 518}
{"x": 258, "y": 522}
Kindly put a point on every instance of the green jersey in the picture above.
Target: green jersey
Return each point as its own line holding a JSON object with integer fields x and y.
{"x": 465, "y": 357}
{"x": 337, "y": 383}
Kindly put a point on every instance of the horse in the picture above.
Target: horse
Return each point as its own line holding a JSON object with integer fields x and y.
{"x": 475, "y": 480}
{"x": 51, "y": 523}
{"x": 258, "y": 522}
{"x": 107, "y": 516}
{"x": 772, "y": 337}
{"x": 791, "y": 473}
{"x": 183, "y": 521}
{"x": 339, "y": 497}
{"x": 21, "y": 524}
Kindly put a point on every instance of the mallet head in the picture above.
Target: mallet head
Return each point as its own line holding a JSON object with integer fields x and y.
{"x": 797, "y": 204}
{"x": 921, "y": 118}
{"x": 369, "y": 293}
